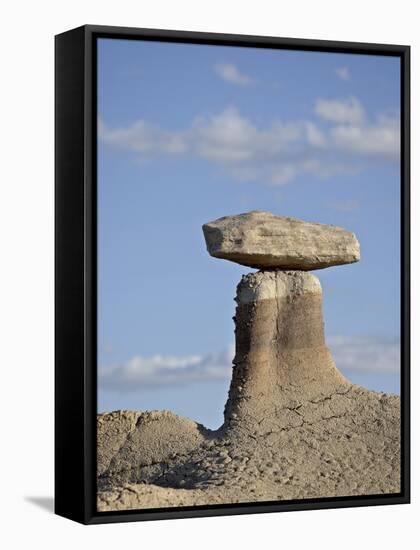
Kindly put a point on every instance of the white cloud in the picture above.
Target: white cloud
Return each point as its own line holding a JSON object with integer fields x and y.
{"x": 366, "y": 354}
{"x": 226, "y": 137}
{"x": 346, "y": 111}
{"x": 230, "y": 73}
{"x": 343, "y": 73}
{"x": 315, "y": 136}
{"x": 160, "y": 370}
{"x": 363, "y": 354}
{"x": 275, "y": 153}
{"x": 231, "y": 138}
{"x": 144, "y": 138}
{"x": 381, "y": 139}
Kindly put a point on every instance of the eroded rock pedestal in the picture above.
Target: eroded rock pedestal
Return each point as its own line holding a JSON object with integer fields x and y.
{"x": 294, "y": 426}
{"x": 281, "y": 359}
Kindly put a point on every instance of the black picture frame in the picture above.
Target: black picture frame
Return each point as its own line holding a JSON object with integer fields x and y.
{"x": 76, "y": 272}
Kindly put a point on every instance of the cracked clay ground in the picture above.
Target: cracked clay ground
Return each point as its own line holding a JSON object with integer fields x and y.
{"x": 339, "y": 444}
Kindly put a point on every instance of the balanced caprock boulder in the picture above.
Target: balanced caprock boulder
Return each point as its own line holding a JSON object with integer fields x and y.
{"x": 263, "y": 241}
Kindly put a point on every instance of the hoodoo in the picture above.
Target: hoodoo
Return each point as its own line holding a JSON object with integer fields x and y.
{"x": 294, "y": 426}
{"x": 281, "y": 357}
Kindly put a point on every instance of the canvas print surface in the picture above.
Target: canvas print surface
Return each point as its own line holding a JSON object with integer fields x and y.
{"x": 248, "y": 275}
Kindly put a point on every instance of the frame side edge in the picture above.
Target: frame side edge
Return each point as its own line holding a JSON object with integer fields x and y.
{"x": 405, "y": 268}
{"x": 69, "y": 276}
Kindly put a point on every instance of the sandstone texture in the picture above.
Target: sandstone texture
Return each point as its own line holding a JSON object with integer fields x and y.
{"x": 294, "y": 427}
{"x": 264, "y": 241}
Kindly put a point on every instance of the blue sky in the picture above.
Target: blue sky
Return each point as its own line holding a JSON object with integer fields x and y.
{"x": 189, "y": 133}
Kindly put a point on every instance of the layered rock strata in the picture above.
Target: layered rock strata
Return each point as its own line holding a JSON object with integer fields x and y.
{"x": 281, "y": 359}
